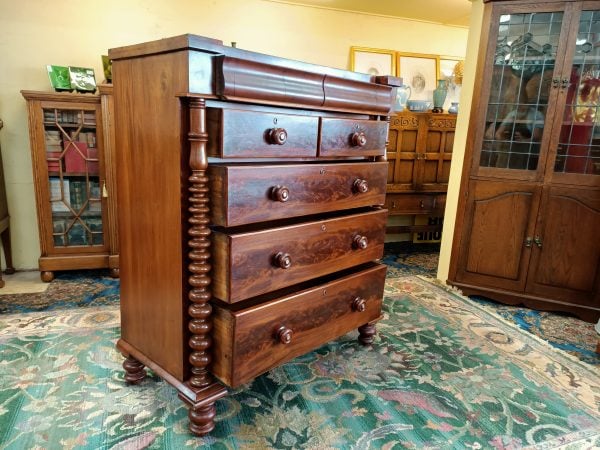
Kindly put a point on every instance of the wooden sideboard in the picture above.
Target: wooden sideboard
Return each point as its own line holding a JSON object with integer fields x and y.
{"x": 4, "y": 223}
{"x": 250, "y": 211}
{"x": 419, "y": 152}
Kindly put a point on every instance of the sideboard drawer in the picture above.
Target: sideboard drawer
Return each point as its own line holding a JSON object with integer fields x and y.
{"x": 243, "y": 194}
{"x": 236, "y": 133}
{"x": 249, "y": 264}
{"x": 352, "y": 137}
{"x": 250, "y": 341}
{"x": 411, "y": 203}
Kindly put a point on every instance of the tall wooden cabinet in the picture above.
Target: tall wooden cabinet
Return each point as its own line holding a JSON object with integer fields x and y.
{"x": 250, "y": 211}
{"x": 528, "y": 223}
{"x": 419, "y": 152}
{"x": 74, "y": 178}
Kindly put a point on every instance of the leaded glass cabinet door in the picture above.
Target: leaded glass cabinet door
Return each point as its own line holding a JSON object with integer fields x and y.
{"x": 525, "y": 51}
{"x": 74, "y": 184}
{"x": 577, "y": 159}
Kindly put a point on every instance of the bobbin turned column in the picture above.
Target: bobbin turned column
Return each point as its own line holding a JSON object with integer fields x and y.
{"x": 201, "y": 383}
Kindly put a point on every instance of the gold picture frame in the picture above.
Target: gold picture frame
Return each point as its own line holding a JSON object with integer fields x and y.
{"x": 419, "y": 71}
{"x": 373, "y": 61}
{"x": 447, "y": 65}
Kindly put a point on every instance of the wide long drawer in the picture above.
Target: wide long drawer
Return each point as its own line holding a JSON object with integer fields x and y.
{"x": 253, "y": 340}
{"x": 243, "y": 194}
{"x": 250, "y": 134}
{"x": 253, "y": 263}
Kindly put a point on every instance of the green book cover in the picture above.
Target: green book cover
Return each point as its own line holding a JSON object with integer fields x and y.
{"x": 82, "y": 79}
{"x": 59, "y": 77}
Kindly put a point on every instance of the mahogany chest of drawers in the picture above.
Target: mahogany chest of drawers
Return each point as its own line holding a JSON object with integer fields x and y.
{"x": 250, "y": 211}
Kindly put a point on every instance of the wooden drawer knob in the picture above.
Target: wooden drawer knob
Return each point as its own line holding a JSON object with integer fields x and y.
{"x": 359, "y": 139}
{"x": 277, "y": 136}
{"x": 359, "y": 304}
{"x": 361, "y": 186}
{"x": 360, "y": 242}
{"x": 284, "y": 335}
{"x": 280, "y": 193}
{"x": 282, "y": 260}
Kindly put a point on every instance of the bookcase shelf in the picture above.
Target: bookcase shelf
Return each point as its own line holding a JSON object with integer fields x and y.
{"x": 71, "y": 149}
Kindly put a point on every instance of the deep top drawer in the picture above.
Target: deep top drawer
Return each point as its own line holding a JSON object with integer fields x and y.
{"x": 243, "y": 194}
{"x": 352, "y": 137}
{"x": 250, "y": 134}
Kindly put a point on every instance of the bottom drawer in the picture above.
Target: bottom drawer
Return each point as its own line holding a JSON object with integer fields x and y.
{"x": 250, "y": 341}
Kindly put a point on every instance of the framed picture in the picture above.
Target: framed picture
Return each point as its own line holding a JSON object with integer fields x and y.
{"x": 447, "y": 68}
{"x": 420, "y": 72}
{"x": 374, "y": 61}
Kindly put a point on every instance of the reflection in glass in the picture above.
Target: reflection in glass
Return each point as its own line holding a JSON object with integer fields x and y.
{"x": 521, "y": 81}
{"x": 579, "y": 141}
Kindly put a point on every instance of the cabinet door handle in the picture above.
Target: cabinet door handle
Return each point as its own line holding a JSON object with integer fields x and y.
{"x": 538, "y": 241}
{"x": 280, "y": 193}
{"x": 359, "y": 304}
{"x": 359, "y": 139}
{"x": 284, "y": 334}
{"x": 564, "y": 84}
{"x": 104, "y": 190}
{"x": 555, "y": 82}
{"x": 282, "y": 260}
{"x": 277, "y": 136}
{"x": 360, "y": 186}
{"x": 528, "y": 241}
{"x": 360, "y": 242}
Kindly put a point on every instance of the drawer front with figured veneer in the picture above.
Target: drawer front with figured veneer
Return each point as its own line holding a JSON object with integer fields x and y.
{"x": 352, "y": 137}
{"x": 249, "y": 134}
{"x": 243, "y": 194}
{"x": 253, "y": 263}
{"x": 253, "y": 340}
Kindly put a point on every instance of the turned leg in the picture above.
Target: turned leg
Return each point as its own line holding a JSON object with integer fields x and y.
{"x": 202, "y": 419}
{"x": 5, "y": 236}
{"x": 367, "y": 333}
{"x": 134, "y": 370}
{"x": 47, "y": 276}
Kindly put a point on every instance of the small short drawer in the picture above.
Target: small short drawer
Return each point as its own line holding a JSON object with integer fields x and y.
{"x": 411, "y": 203}
{"x": 249, "y": 264}
{"x": 352, "y": 137}
{"x": 244, "y": 194}
{"x": 250, "y": 341}
{"x": 236, "y": 133}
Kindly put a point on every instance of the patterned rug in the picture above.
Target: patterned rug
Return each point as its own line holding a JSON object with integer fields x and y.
{"x": 443, "y": 373}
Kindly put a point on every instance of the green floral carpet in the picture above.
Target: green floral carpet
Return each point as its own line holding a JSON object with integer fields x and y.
{"x": 444, "y": 372}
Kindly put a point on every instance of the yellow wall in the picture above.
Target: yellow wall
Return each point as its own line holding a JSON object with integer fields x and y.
{"x": 39, "y": 32}
{"x": 460, "y": 137}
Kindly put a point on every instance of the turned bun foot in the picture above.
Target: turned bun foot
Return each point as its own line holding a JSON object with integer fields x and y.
{"x": 47, "y": 276}
{"x": 134, "y": 370}
{"x": 367, "y": 334}
{"x": 114, "y": 272}
{"x": 202, "y": 419}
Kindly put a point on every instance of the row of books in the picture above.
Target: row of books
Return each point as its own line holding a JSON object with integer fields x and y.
{"x": 80, "y": 155}
{"x": 69, "y": 232}
{"x": 74, "y": 193}
{"x": 69, "y": 116}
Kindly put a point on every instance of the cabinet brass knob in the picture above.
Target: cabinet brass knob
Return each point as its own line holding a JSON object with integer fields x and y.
{"x": 284, "y": 335}
{"x": 282, "y": 260}
{"x": 538, "y": 241}
{"x": 359, "y": 139}
{"x": 277, "y": 136}
{"x": 280, "y": 193}
{"x": 360, "y": 242}
{"x": 528, "y": 241}
{"x": 359, "y": 304}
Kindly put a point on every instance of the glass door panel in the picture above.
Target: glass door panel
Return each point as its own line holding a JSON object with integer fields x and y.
{"x": 73, "y": 177}
{"x": 579, "y": 142}
{"x": 516, "y": 113}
